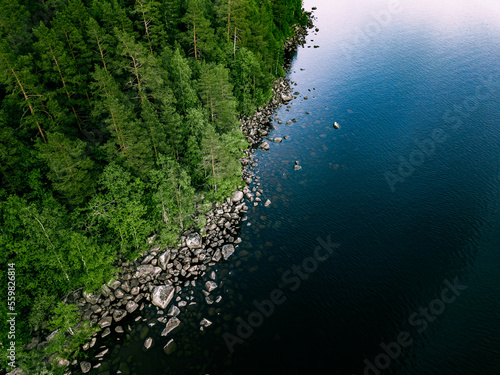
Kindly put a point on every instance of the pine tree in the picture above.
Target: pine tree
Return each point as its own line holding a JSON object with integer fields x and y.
{"x": 18, "y": 78}
{"x": 59, "y": 68}
{"x": 150, "y": 22}
{"x": 219, "y": 160}
{"x": 216, "y": 93}
{"x": 70, "y": 169}
{"x": 173, "y": 198}
{"x": 200, "y": 35}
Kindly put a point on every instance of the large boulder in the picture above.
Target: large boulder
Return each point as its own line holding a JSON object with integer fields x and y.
{"x": 237, "y": 196}
{"x": 193, "y": 241}
{"x": 286, "y": 98}
{"x": 162, "y": 295}
{"x": 265, "y": 146}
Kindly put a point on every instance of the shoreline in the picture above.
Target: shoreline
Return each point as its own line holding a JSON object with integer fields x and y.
{"x": 159, "y": 274}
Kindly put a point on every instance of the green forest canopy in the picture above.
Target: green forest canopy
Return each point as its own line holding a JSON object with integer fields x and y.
{"x": 118, "y": 118}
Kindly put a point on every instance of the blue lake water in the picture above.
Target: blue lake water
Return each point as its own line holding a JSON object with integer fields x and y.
{"x": 408, "y": 187}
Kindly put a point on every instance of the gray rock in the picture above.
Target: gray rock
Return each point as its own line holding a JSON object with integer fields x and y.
{"x": 267, "y": 203}
{"x": 193, "y": 241}
{"x": 170, "y": 326}
{"x": 237, "y": 196}
{"x": 278, "y": 140}
{"x": 227, "y": 251}
{"x": 210, "y": 285}
{"x": 91, "y": 298}
{"x": 85, "y": 366}
{"x": 264, "y": 146}
{"x": 119, "y": 293}
{"x": 162, "y": 295}
{"x": 105, "y": 322}
{"x": 102, "y": 354}
{"x": 62, "y": 362}
{"x": 163, "y": 260}
{"x": 145, "y": 270}
{"x": 131, "y": 307}
{"x": 119, "y": 315}
{"x": 170, "y": 347}
{"x": 217, "y": 255}
{"x": 148, "y": 343}
{"x": 286, "y": 98}
{"x": 106, "y": 332}
{"x": 174, "y": 311}
{"x": 205, "y": 322}
{"x": 119, "y": 329}
{"x": 297, "y": 167}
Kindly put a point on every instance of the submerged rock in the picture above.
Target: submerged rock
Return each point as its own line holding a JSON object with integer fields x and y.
{"x": 170, "y": 347}
{"x": 148, "y": 343}
{"x": 85, "y": 366}
{"x": 170, "y": 326}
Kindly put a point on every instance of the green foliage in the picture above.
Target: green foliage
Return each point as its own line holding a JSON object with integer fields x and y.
{"x": 116, "y": 117}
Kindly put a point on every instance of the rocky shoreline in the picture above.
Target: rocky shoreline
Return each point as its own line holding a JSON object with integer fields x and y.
{"x": 159, "y": 275}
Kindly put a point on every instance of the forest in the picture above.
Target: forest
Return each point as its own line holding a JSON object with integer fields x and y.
{"x": 119, "y": 120}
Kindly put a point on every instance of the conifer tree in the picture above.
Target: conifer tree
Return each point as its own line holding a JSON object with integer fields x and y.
{"x": 70, "y": 169}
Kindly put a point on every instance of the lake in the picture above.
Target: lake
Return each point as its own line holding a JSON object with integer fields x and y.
{"x": 382, "y": 254}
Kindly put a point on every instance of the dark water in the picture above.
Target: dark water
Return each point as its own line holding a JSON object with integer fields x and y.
{"x": 429, "y": 76}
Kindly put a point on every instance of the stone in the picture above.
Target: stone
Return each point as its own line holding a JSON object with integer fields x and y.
{"x": 278, "y": 140}
{"x": 62, "y": 362}
{"x": 210, "y": 285}
{"x": 91, "y": 298}
{"x": 119, "y": 329}
{"x": 105, "y": 322}
{"x": 163, "y": 260}
{"x": 145, "y": 270}
{"x": 217, "y": 256}
{"x": 162, "y": 295}
{"x": 286, "y": 98}
{"x": 237, "y": 196}
{"x": 174, "y": 311}
{"x": 170, "y": 326}
{"x": 265, "y": 146}
{"x": 267, "y": 203}
{"x": 297, "y": 167}
{"x": 170, "y": 347}
{"x": 148, "y": 343}
{"x": 227, "y": 251}
{"x": 205, "y": 323}
{"x": 85, "y": 366}
{"x": 193, "y": 241}
{"x": 102, "y": 354}
{"x": 106, "y": 332}
{"x": 119, "y": 315}
{"x": 131, "y": 306}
